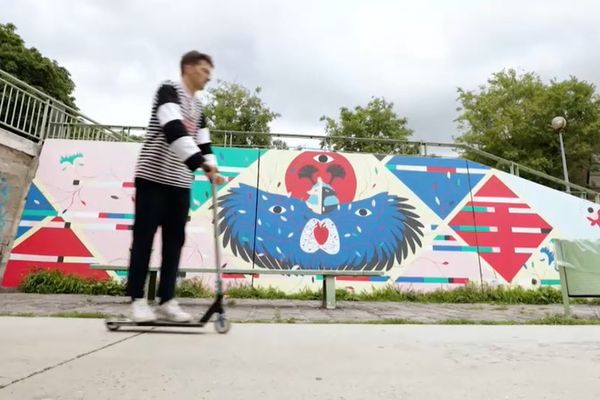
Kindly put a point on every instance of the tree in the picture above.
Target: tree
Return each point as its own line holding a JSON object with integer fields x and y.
{"x": 375, "y": 121}
{"x": 279, "y": 144}
{"x": 510, "y": 118}
{"x": 29, "y": 65}
{"x": 232, "y": 107}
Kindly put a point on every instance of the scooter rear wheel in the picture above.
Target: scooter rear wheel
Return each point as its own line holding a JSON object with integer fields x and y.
{"x": 112, "y": 326}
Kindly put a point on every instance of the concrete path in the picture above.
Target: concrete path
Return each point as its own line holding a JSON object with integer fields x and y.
{"x": 73, "y": 359}
{"x": 297, "y": 311}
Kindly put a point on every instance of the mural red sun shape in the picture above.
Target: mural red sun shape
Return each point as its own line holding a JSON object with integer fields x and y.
{"x": 333, "y": 169}
{"x": 505, "y": 229}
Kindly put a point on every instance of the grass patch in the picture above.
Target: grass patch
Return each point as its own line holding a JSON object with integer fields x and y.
{"x": 548, "y": 320}
{"x": 78, "y": 314}
{"x": 17, "y": 314}
{"x": 194, "y": 288}
{"x": 46, "y": 281}
{"x": 57, "y": 282}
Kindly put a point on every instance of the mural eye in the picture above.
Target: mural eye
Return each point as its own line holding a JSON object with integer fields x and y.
{"x": 277, "y": 209}
{"x": 323, "y": 158}
{"x": 363, "y": 212}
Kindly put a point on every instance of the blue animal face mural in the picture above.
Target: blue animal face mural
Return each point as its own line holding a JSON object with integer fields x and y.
{"x": 284, "y": 232}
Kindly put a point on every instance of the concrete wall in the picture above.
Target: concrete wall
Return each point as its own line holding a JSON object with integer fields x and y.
{"x": 18, "y": 164}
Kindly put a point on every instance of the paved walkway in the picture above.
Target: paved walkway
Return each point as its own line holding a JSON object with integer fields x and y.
{"x": 77, "y": 359}
{"x": 296, "y": 311}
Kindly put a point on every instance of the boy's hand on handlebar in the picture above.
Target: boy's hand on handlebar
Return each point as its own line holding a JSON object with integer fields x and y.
{"x": 213, "y": 174}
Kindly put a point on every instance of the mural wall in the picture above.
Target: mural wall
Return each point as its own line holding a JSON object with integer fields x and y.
{"x": 427, "y": 223}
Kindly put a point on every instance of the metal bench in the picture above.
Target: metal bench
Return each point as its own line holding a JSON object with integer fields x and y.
{"x": 578, "y": 263}
{"x": 328, "y": 277}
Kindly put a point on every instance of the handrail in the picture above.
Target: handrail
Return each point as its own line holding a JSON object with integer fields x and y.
{"x": 31, "y": 113}
{"x": 514, "y": 168}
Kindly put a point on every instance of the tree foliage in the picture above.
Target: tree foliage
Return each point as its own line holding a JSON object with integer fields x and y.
{"x": 375, "y": 121}
{"x": 232, "y": 107}
{"x": 30, "y": 66}
{"x": 511, "y": 117}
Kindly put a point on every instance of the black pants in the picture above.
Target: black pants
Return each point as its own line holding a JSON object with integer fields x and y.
{"x": 157, "y": 205}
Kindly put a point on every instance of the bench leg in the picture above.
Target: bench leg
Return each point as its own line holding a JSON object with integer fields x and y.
{"x": 329, "y": 292}
{"x": 152, "y": 285}
{"x": 565, "y": 291}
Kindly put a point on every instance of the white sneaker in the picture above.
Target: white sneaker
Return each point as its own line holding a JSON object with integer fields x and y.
{"x": 141, "y": 311}
{"x": 171, "y": 311}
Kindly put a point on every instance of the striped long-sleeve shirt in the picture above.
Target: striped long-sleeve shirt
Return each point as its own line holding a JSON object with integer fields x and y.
{"x": 177, "y": 140}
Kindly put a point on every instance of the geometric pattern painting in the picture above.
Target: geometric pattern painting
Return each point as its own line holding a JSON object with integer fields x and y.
{"x": 425, "y": 222}
{"x": 55, "y": 245}
{"x": 506, "y": 230}
{"x": 440, "y": 183}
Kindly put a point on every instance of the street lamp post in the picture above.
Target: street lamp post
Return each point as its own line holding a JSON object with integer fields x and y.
{"x": 559, "y": 124}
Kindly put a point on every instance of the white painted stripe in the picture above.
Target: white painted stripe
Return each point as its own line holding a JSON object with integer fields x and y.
{"x": 185, "y": 147}
{"x": 520, "y": 229}
{"x": 524, "y": 250}
{"x": 102, "y": 184}
{"x": 513, "y": 200}
{"x": 82, "y": 214}
{"x": 478, "y": 171}
{"x": 52, "y": 259}
{"x": 29, "y": 223}
{"x": 203, "y": 136}
{"x": 61, "y": 225}
{"x": 32, "y": 257}
{"x": 515, "y": 210}
{"x": 411, "y": 168}
{"x": 80, "y": 260}
{"x": 446, "y": 243}
{"x": 495, "y": 249}
{"x": 168, "y": 112}
{"x": 232, "y": 169}
{"x": 96, "y": 227}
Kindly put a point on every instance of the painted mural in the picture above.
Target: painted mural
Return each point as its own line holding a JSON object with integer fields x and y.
{"x": 426, "y": 223}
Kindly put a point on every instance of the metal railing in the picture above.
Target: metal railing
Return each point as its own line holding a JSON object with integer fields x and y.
{"x": 32, "y": 114}
{"x": 426, "y": 149}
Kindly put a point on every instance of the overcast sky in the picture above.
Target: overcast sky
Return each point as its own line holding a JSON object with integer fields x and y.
{"x": 311, "y": 57}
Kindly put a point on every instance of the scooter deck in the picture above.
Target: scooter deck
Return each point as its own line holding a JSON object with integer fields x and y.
{"x": 158, "y": 322}
{"x": 222, "y": 324}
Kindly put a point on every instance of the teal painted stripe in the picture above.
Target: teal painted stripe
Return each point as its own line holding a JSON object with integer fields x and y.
{"x": 435, "y": 280}
{"x": 470, "y": 228}
{"x": 471, "y": 249}
{"x": 40, "y": 213}
{"x": 454, "y": 248}
{"x": 475, "y": 209}
{"x": 550, "y": 282}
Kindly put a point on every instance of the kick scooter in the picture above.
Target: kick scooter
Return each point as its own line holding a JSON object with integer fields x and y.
{"x": 222, "y": 324}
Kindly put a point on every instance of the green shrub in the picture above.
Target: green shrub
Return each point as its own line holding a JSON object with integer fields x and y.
{"x": 56, "y": 281}
{"x": 47, "y": 281}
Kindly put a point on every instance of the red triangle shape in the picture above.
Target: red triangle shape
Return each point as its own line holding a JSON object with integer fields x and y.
{"x": 53, "y": 242}
{"x": 494, "y": 187}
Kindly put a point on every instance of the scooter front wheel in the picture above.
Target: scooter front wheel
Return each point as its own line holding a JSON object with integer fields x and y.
{"x": 222, "y": 325}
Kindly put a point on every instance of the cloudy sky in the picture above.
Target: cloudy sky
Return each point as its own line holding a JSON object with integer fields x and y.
{"x": 311, "y": 57}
